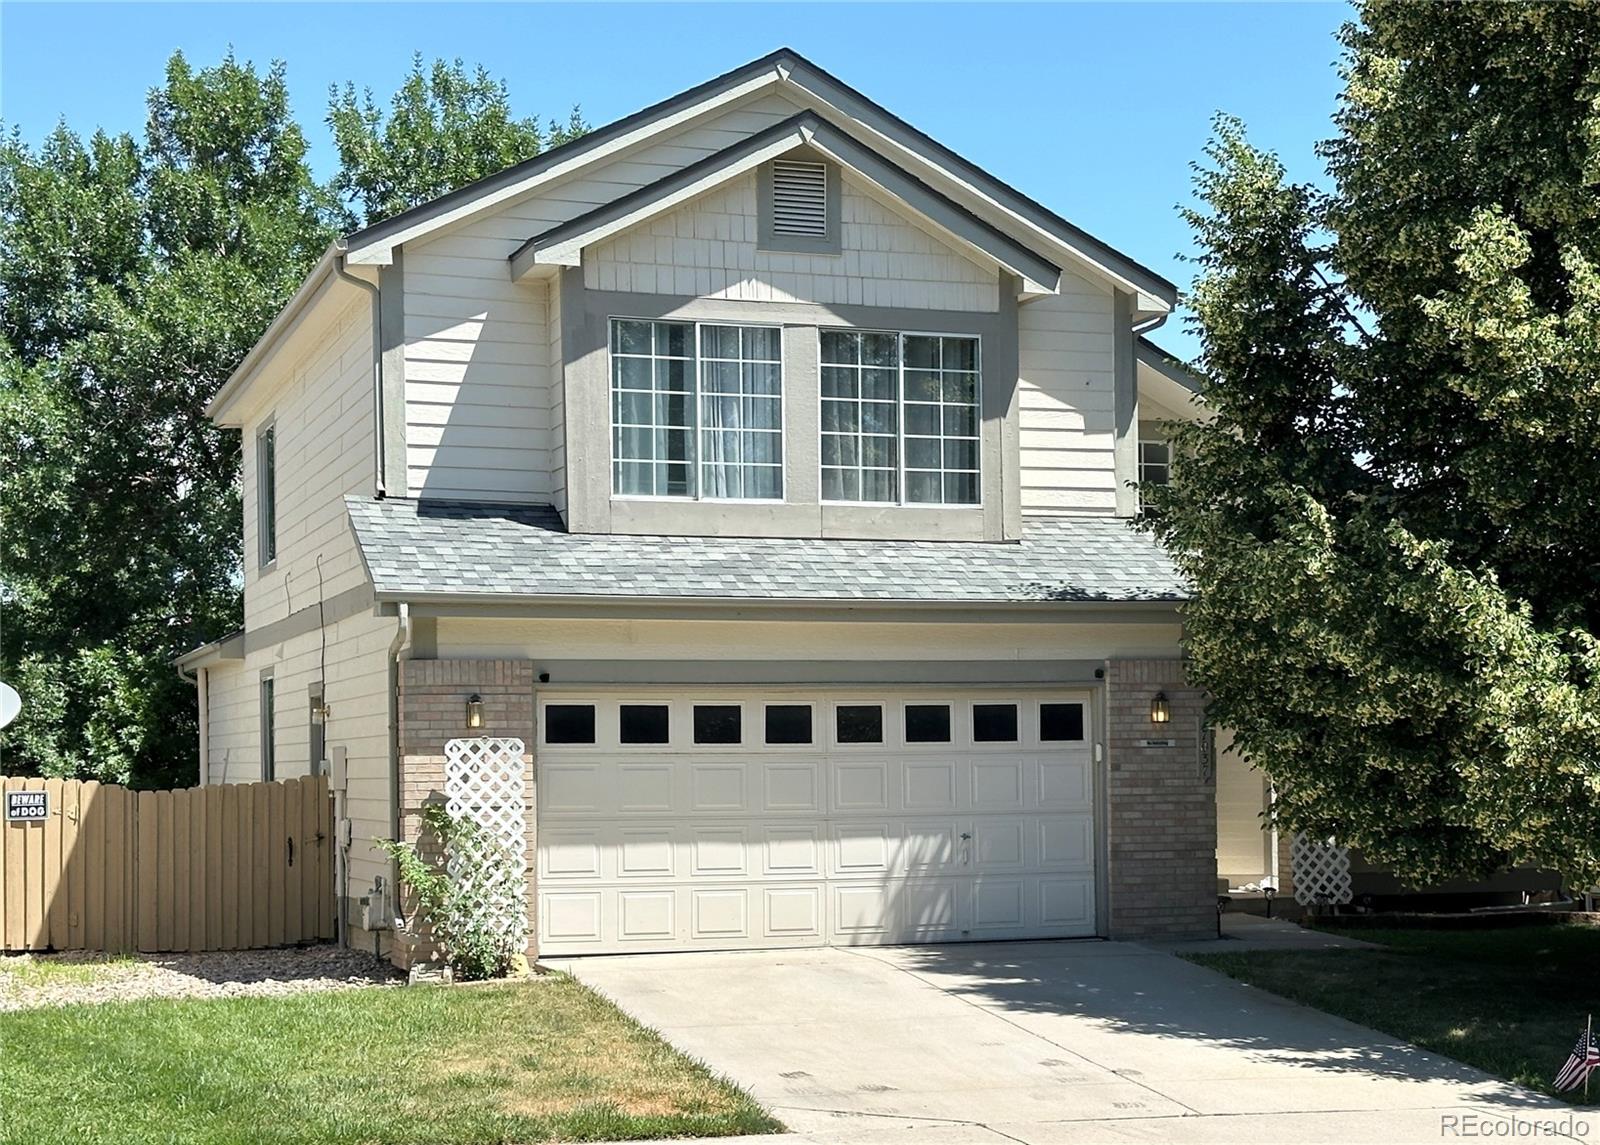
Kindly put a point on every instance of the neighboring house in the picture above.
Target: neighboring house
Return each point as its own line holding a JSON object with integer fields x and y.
{"x": 766, "y": 467}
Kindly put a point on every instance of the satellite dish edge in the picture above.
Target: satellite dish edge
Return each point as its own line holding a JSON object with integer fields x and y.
{"x": 10, "y": 704}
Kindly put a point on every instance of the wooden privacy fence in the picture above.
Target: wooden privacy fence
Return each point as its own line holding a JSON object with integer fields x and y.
{"x": 226, "y": 867}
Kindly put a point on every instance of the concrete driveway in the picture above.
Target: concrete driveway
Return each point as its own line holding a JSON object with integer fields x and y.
{"x": 1046, "y": 1043}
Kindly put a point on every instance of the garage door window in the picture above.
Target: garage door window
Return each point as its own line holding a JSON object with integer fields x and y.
{"x": 788, "y": 724}
{"x": 859, "y": 723}
{"x": 569, "y": 723}
{"x": 717, "y": 724}
{"x": 1059, "y": 722}
{"x": 644, "y": 723}
{"x": 927, "y": 723}
{"x": 994, "y": 723}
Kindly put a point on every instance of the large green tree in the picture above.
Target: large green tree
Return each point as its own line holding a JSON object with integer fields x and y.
{"x": 446, "y": 127}
{"x": 134, "y": 275}
{"x": 1390, "y": 521}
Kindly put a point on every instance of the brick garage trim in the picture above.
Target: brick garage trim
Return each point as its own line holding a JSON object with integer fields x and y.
{"x": 1161, "y": 807}
{"x": 432, "y": 709}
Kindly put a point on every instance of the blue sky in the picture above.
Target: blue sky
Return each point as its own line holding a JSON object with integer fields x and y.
{"x": 1096, "y": 110}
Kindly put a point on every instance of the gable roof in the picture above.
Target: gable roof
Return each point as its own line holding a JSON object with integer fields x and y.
{"x": 561, "y": 245}
{"x": 784, "y": 67}
{"x": 478, "y": 552}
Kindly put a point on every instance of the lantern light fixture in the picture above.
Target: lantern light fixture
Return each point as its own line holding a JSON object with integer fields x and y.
{"x": 1160, "y": 710}
{"x": 474, "y": 711}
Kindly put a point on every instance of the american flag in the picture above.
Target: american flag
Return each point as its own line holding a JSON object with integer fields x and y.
{"x": 1584, "y": 1060}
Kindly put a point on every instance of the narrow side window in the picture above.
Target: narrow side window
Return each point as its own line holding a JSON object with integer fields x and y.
{"x": 267, "y": 494}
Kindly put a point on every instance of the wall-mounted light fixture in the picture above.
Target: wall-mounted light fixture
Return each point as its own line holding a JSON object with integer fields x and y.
{"x": 474, "y": 711}
{"x": 1160, "y": 710}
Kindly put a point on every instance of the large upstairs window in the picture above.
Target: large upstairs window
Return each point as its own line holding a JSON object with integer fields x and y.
{"x": 696, "y": 410}
{"x": 899, "y": 418}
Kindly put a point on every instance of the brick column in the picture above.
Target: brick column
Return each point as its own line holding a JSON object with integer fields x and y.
{"x": 432, "y": 708}
{"x": 1161, "y": 807}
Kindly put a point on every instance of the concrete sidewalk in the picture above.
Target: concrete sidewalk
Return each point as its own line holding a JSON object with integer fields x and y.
{"x": 1050, "y": 1044}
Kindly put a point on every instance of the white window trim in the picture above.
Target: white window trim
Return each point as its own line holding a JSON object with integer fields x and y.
{"x": 267, "y": 705}
{"x": 694, "y": 430}
{"x": 900, "y": 420}
{"x": 1165, "y": 466}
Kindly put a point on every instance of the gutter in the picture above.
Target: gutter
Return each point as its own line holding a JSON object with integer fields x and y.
{"x": 200, "y": 681}
{"x": 380, "y": 452}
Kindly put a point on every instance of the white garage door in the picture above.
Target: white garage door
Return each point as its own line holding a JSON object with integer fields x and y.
{"x": 717, "y": 821}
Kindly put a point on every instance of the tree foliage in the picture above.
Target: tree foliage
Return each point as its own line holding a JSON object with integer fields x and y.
{"x": 135, "y": 274}
{"x": 1389, "y": 519}
{"x": 446, "y": 127}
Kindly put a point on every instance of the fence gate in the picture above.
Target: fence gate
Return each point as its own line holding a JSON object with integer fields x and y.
{"x": 225, "y": 867}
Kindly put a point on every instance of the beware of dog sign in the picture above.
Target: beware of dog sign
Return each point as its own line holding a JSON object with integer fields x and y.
{"x": 27, "y": 806}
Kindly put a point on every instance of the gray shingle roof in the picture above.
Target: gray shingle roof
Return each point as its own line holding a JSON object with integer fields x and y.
{"x": 429, "y": 547}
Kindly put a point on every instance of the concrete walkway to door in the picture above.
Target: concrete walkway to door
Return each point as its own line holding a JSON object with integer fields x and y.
{"x": 1047, "y": 1043}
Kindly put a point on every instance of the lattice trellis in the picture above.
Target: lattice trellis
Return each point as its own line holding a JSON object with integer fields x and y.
{"x": 483, "y": 784}
{"x": 1321, "y": 871}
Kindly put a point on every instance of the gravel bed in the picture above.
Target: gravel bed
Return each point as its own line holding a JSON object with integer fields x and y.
{"x": 33, "y": 980}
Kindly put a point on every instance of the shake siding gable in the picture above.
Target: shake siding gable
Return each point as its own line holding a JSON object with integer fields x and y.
{"x": 708, "y": 249}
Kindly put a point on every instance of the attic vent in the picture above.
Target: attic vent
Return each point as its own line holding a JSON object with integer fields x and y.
{"x": 799, "y": 199}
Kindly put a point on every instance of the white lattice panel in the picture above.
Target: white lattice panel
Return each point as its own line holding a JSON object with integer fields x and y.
{"x": 483, "y": 784}
{"x": 1321, "y": 871}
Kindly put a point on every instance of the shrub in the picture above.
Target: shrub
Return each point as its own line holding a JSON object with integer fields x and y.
{"x": 471, "y": 897}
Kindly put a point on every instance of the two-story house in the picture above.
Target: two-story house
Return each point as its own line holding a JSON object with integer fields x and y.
{"x": 766, "y": 468}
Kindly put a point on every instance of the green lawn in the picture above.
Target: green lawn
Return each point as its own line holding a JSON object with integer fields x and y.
{"x": 1507, "y": 1001}
{"x": 504, "y": 1063}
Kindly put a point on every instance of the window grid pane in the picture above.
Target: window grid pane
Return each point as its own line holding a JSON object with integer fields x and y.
{"x": 1155, "y": 462}
{"x": 652, "y": 408}
{"x": 900, "y": 418}
{"x": 860, "y": 416}
{"x": 741, "y": 412}
{"x": 941, "y": 418}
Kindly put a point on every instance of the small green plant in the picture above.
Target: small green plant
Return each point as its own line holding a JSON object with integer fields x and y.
{"x": 471, "y": 895}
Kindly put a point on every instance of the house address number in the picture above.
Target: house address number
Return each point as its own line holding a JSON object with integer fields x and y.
{"x": 27, "y": 806}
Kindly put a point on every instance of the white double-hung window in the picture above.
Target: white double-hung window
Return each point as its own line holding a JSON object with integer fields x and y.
{"x": 696, "y": 410}
{"x": 900, "y": 418}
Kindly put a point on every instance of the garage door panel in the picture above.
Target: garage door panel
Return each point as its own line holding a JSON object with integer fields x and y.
{"x": 570, "y": 854}
{"x": 647, "y": 916}
{"x": 717, "y": 787}
{"x": 792, "y": 912}
{"x": 572, "y": 788}
{"x": 792, "y": 849}
{"x": 861, "y": 785}
{"x": 646, "y": 853}
{"x": 1065, "y": 903}
{"x": 719, "y": 852}
{"x": 928, "y": 785}
{"x": 997, "y": 784}
{"x": 863, "y": 849}
{"x": 793, "y": 785}
{"x": 1066, "y": 841}
{"x": 999, "y": 844}
{"x": 722, "y": 914}
{"x": 686, "y": 846}
{"x": 1066, "y": 782}
{"x": 930, "y": 847}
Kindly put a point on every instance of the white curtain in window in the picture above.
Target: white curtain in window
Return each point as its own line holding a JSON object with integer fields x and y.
{"x": 719, "y": 446}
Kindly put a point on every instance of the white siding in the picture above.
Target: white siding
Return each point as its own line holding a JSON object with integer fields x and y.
{"x": 479, "y": 402}
{"x": 558, "y": 406}
{"x": 321, "y": 407}
{"x": 323, "y": 419}
{"x": 1064, "y": 399}
{"x": 707, "y": 249}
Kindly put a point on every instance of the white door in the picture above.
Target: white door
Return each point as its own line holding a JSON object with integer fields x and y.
{"x": 736, "y": 819}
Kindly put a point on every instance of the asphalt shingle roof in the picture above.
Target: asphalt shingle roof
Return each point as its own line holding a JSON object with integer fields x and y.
{"x": 414, "y": 547}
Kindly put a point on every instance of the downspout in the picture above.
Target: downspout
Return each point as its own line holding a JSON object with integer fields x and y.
{"x": 380, "y": 450}
{"x": 402, "y": 638}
